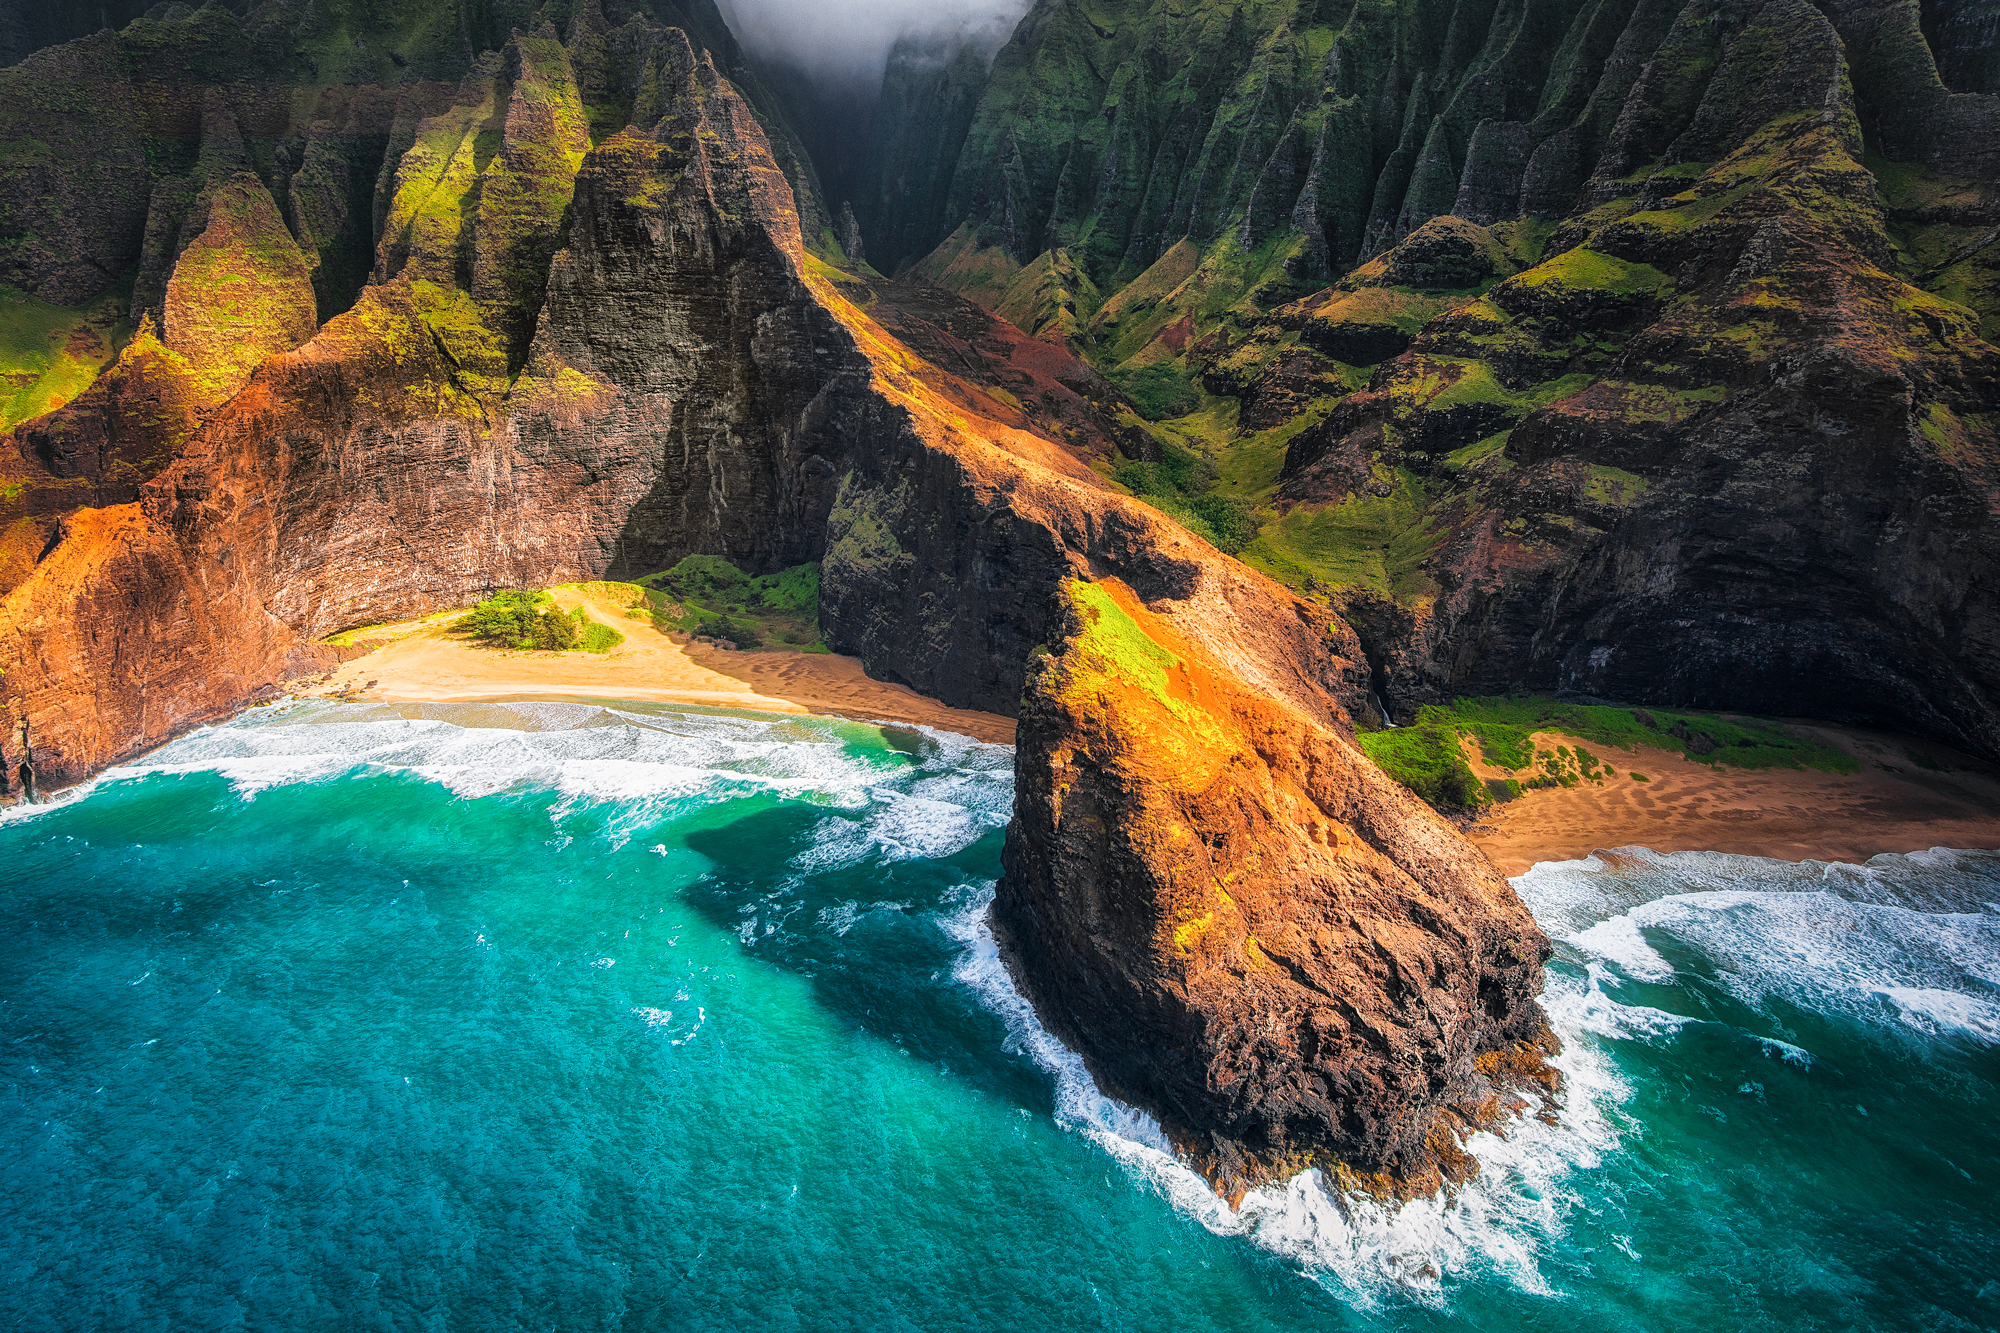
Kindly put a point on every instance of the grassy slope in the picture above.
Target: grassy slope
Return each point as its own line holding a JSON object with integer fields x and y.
{"x": 49, "y": 353}
{"x": 706, "y": 595}
{"x": 1426, "y": 756}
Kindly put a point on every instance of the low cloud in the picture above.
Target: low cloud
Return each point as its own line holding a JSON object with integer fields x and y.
{"x": 846, "y": 42}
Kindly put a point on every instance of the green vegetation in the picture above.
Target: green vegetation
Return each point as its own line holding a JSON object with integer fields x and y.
{"x": 1427, "y": 756}
{"x": 1587, "y": 270}
{"x": 1428, "y": 761}
{"x": 1366, "y": 541}
{"x": 49, "y": 353}
{"x": 1179, "y": 485}
{"x": 1160, "y": 390}
{"x": 1116, "y": 644}
{"x": 526, "y": 619}
{"x": 241, "y": 292}
{"x": 521, "y": 619}
{"x": 1610, "y": 485}
{"x": 595, "y": 638}
{"x": 1477, "y": 452}
{"x": 708, "y": 597}
{"x": 1504, "y": 725}
{"x": 1049, "y": 294}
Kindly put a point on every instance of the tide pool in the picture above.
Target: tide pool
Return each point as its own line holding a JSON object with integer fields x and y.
{"x": 568, "y": 1016}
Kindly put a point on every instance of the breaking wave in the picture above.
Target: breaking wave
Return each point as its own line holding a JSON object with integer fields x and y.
{"x": 639, "y": 762}
{"x": 1888, "y": 941}
{"x": 1655, "y": 954}
{"x": 1497, "y": 1224}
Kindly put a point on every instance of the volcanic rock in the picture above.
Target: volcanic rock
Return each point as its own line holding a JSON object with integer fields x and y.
{"x": 1245, "y": 927}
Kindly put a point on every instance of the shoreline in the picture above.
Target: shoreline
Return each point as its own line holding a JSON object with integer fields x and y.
{"x": 418, "y": 662}
{"x": 1906, "y": 795}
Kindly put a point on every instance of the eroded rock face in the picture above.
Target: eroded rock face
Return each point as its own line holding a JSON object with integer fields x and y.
{"x": 692, "y": 385}
{"x": 374, "y": 473}
{"x": 678, "y": 324}
{"x": 1244, "y": 926}
{"x": 1763, "y": 473}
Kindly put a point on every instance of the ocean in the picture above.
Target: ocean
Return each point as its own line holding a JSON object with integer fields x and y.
{"x": 612, "y": 1016}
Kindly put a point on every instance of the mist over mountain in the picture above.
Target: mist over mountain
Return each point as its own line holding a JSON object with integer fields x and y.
{"x": 843, "y": 46}
{"x": 825, "y": 63}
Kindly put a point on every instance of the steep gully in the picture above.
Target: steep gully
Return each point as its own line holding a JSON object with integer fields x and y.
{"x": 1670, "y": 323}
{"x": 582, "y": 351}
{"x": 1239, "y": 922}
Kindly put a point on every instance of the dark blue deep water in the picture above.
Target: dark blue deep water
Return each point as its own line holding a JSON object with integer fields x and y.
{"x": 557, "y": 1016}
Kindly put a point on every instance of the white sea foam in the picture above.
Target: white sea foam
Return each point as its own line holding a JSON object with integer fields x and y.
{"x": 1588, "y": 1007}
{"x": 662, "y": 1022}
{"x": 1784, "y": 1050}
{"x": 1498, "y": 1223}
{"x": 1906, "y": 941}
{"x": 1822, "y": 935}
{"x": 1937, "y": 1011}
{"x": 634, "y": 765}
{"x": 1619, "y": 941}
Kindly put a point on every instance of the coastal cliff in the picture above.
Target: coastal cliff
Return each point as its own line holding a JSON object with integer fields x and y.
{"x": 1637, "y": 350}
{"x": 679, "y": 373}
{"x": 1245, "y": 927}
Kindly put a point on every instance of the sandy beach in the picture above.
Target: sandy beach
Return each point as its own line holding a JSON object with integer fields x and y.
{"x": 1894, "y": 803}
{"x": 419, "y": 661}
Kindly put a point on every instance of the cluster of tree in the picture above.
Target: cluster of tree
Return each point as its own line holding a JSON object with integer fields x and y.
{"x": 523, "y": 620}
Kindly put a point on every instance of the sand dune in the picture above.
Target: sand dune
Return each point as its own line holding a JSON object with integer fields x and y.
{"x": 420, "y": 661}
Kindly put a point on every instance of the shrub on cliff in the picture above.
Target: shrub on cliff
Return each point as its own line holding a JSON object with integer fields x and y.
{"x": 720, "y": 601}
{"x": 1427, "y": 760}
{"x": 517, "y": 619}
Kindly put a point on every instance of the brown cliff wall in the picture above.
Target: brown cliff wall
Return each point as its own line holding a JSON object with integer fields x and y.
{"x": 692, "y": 385}
{"x": 1241, "y": 924}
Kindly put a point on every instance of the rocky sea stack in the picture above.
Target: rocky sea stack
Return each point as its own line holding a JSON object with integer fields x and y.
{"x": 1209, "y": 373}
{"x": 1287, "y": 956}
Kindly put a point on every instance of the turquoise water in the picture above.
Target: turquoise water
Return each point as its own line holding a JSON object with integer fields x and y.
{"x": 550, "y": 1016}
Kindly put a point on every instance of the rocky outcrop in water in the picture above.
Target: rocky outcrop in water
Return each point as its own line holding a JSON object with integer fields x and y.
{"x": 1246, "y": 928}
{"x": 690, "y": 381}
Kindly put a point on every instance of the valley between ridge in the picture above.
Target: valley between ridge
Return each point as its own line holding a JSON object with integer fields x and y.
{"x": 1650, "y": 386}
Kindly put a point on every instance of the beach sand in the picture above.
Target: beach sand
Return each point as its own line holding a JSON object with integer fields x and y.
{"x": 1893, "y": 804}
{"x": 419, "y": 661}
